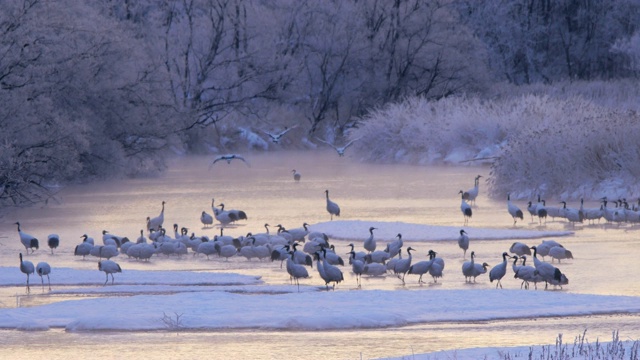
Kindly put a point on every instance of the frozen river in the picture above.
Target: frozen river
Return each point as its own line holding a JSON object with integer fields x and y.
{"x": 604, "y": 255}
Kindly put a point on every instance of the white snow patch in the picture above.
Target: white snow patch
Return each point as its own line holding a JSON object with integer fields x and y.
{"x": 331, "y": 310}
{"x": 387, "y": 231}
{"x": 67, "y": 276}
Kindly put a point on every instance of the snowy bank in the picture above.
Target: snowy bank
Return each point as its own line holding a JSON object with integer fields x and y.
{"x": 309, "y": 311}
{"x": 387, "y": 231}
{"x": 66, "y": 276}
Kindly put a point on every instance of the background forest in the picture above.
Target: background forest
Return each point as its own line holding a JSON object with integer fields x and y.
{"x": 111, "y": 88}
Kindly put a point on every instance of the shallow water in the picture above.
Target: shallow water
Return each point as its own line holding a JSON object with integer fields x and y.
{"x": 604, "y": 254}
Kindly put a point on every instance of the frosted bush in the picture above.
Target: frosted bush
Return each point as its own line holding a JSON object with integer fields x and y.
{"x": 620, "y": 94}
{"x": 575, "y": 150}
{"x": 430, "y": 132}
{"x": 556, "y": 147}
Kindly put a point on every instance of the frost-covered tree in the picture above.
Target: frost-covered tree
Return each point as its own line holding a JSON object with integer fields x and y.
{"x": 76, "y": 101}
{"x": 355, "y": 55}
{"x": 418, "y": 47}
{"x": 539, "y": 40}
{"x": 211, "y": 56}
{"x": 629, "y": 49}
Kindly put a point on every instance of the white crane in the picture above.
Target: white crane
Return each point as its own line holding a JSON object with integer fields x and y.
{"x": 370, "y": 243}
{"x": 515, "y": 267}
{"x": 330, "y": 256}
{"x": 224, "y": 217}
{"x": 374, "y": 269}
{"x": 110, "y": 239}
{"x": 520, "y": 249}
{"x": 43, "y": 269}
{"x": 545, "y": 246}
{"x": 472, "y": 269}
{"x": 53, "y": 240}
{"x": 403, "y": 265}
{"x": 421, "y": 268}
{"x": 87, "y": 238}
{"x": 332, "y": 207}
{"x": 571, "y": 214}
{"x": 554, "y": 211}
{"x": 620, "y": 213}
{"x": 357, "y": 266}
{"x": 633, "y": 215}
{"x": 378, "y": 256}
{"x": 146, "y": 251}
{"x": 514, "y": 211}
{"x": 592, "y": 214}
{"x": 360, "y": 255}
{"x": 320, "y": 268}
{"x": 498, "y": 271}
{"x": 248, "y": 250}
{"x": 437, "y": 267}
{"x": 276, "y": 137}
{"x": 296, "y": 175}
{"x": 134, "y": 251}
{"x": 391, "y": 263}
{"x": 84, "y": 248}
{"x": 548, "y": 272}
{"x": 471, "y": 194}
{"x": 465, "y": 208}
{"x": 311, "y": 246}
{"x": 463, "y": 242}
{"x": 109, "y": 267}
{"x": 299, "y": 234}
{"x": 194, "y": 242}
{"x": 329, "y": 273}
{"x": 279, "y": 252}
{"x": 607, "y": 213}
{"x": 235, "y": 214}
{"x": 467, "y": 267}
{"x": 125, "y": 247}
{"x": 393, "y": 248}
{"x": 228, "y": 158}
{"x": 225, "y": 251}
{"x": 527, "y": 274}
{"x": 156, "y": 222}
{"x": 261, "y": 251}
{"x": 532, "y": 209}
{"x": 541, "y": 210}
{"x": 559, "y": 253}
{"x": 339, "y": 149}
{"x": 284, "y": 233}
{"x": 27, "y": 268}
{"x": 479, "y": 269}
{"x": 299, "y": 257}
{"x": 296, "y": 271}
{"x": 28, "y": 241}
{"x": 106, "y": 251}
{"x": 206, "y": 219}
{"x": 141, "y": 239}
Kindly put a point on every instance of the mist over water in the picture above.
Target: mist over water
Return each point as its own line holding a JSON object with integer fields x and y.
{"x": 267, "y": 192}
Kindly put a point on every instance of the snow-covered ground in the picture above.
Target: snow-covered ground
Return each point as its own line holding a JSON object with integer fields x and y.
{"x": 283, "y": 307}
{"x": 387, "y": 231}
{"x": 66, "y": 276}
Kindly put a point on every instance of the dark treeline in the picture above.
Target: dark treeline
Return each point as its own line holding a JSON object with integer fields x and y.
{"x": 99, "y": 89}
